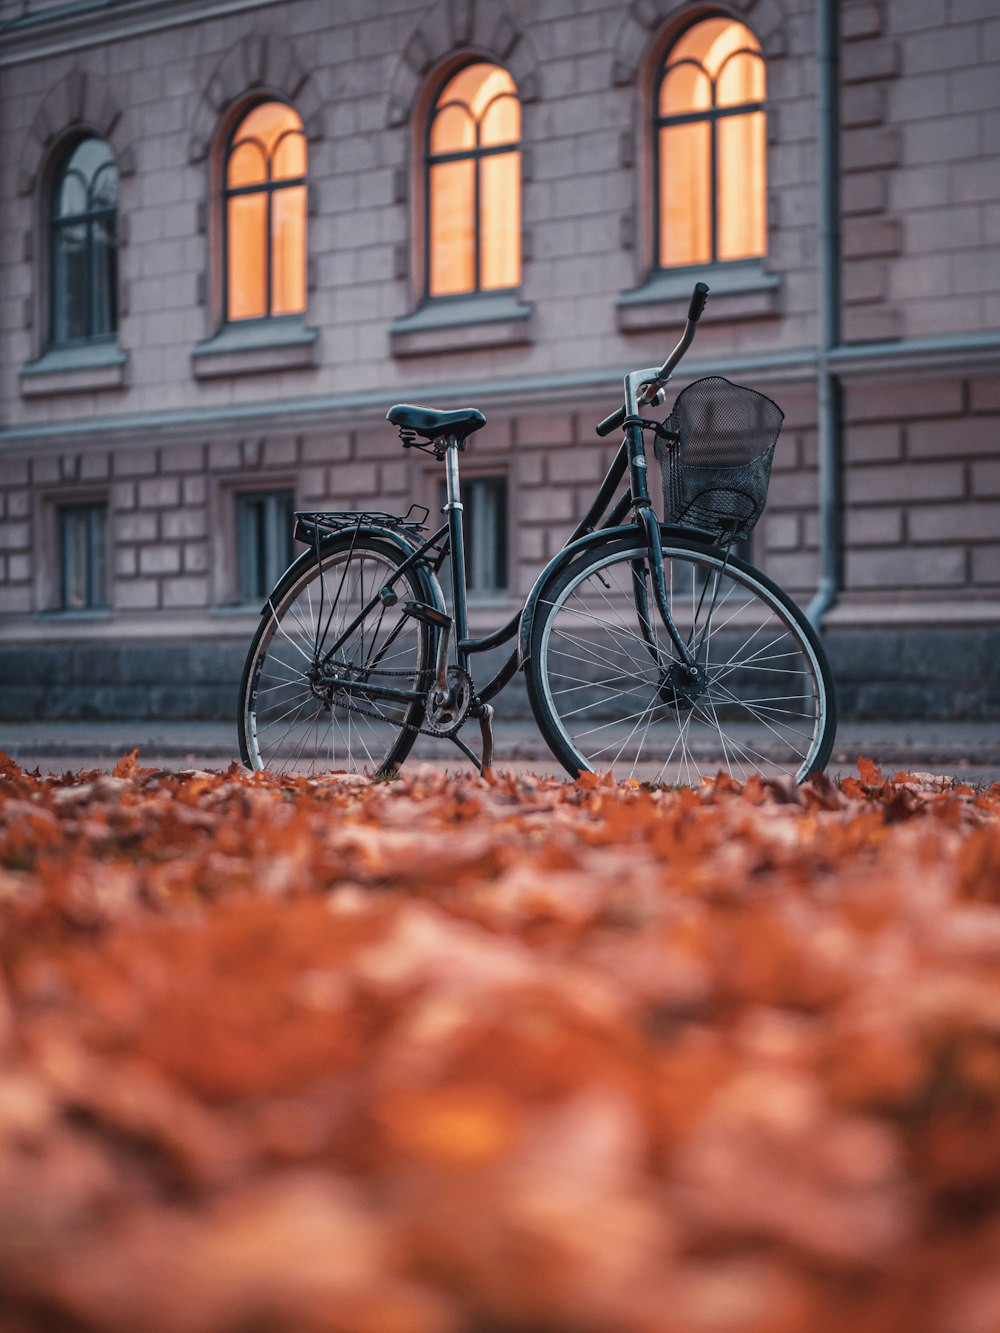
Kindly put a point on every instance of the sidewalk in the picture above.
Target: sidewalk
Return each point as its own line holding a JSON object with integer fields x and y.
{"x": 970, "y": 750}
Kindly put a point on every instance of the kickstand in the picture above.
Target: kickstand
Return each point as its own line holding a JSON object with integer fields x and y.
{"x": 485, "y": 765}
{"x": 486, "y": 729}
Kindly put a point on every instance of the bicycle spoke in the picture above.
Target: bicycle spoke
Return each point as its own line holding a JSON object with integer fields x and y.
{"x": 300, "y": 720}
{"x": 609, "y": 694}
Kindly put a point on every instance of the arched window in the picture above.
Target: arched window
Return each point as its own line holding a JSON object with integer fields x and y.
{"x": 474, "y": 184}
{"x": 710, "y": 140}
{"x": 265, "y": 215}
{"x": 84, "y": 255}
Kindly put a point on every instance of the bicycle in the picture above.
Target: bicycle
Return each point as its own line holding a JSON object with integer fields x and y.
{"x": 645, "y": 644}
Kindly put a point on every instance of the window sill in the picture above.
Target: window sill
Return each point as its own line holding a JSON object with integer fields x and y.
{"x": 252, "y": 346}
{"x": 738, "y": 291}
{"x": 86, "y": 368}
{"x": 462, "y": 323}
{"x": 63, "y": 614}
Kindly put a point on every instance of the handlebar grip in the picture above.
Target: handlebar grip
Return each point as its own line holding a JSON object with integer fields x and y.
{"x": 612, "y": 422}
{"x": 698, "y": 298}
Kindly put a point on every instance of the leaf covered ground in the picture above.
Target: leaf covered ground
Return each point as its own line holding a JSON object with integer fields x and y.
{"x": 438, "y": 1056}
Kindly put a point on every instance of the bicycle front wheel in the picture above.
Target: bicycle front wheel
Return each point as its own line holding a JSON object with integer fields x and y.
{"x": 609, "y": 689}
{"x": 335, "y": 676}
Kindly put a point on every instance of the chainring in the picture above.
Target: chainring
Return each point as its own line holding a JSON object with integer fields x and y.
{"x": 445, "y": 713}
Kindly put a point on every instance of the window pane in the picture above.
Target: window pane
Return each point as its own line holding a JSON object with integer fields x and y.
{"x": 72, "y": 195}
{"x": 476, "y": 85}
{"x": 74, "y": 589}
{"x": 97, "y": 590}
{"x": 69, "y": 282}
{"x": 289, "y": 159}
{"x": 267, "y": 123}
{"x": 84, "y": 165}
{"x": 711, "y": 41}
{"x": 247, "y": 225}
{"x": 501, "y": 122}
{"x": 741, "y": 80}
{"x": 452, "y": 242}
{"x": 264, "y": 539}
{"x": 453, "y": 130}
{"x": 685, "y": 88}
{"x": 104, "y": 255}
{"x": 500, "y": 220}
{"x": 247, "y": 166}
{"x": 84, "y": 578}
{"x": 484, "y": 521}
{"x": 288, "y": 250}
{"x": 742, "y": 220}
{"x": 104, "y": 188}
{"x": 685, "y": 194}
{"x": 486, "y": 540}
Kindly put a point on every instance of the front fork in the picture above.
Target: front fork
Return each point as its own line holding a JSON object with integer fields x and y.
{"x": 646, "y": 515}
{"x": 680, "y": 676}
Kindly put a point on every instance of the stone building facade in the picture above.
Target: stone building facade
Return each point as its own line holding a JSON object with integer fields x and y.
{"x": 872, "y": 317}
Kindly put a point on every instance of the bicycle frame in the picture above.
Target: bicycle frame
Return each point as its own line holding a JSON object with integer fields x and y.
{"x": 449, "y": 540}
{"x": 603, "y": 518}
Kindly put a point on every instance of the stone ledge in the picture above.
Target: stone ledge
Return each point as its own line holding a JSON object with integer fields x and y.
{"x": 737, "y": 292}
{"x": 255, "y": 346}
{"x": 463, "y": 323}
{"x": 84, "y": 369}
{"x": 957, "y": 612}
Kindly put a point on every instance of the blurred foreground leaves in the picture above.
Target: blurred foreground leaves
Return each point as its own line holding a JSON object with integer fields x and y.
{"x": 437, "y": 1056}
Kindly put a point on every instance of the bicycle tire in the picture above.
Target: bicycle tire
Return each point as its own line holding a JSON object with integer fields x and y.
{"x": 290, "y": 722}
{"x": 602, "y": 700}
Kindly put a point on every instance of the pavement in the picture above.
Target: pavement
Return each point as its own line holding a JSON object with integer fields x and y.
{"x": 969, "y": 750}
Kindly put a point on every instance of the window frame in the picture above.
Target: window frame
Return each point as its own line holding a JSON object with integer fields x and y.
{"x": 476, "y": 155}
{"x": 269, "y": 188}
{"x": 710, "y": 116}
{"x": 66, "y": 509}
{"x": 471, "y": 478}
{"x": 242, "y": 498}
{"x": 56, "y": 224}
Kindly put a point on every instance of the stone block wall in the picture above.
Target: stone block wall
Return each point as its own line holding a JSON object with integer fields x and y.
{"x": 920, "y": 156}
{"x": 162, "y": 99}
{"x": 171, "y": 432}
{"x": 922, "y": 488}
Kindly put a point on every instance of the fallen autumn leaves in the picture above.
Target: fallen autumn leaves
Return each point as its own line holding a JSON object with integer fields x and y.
{"x": 441, "y": 1057}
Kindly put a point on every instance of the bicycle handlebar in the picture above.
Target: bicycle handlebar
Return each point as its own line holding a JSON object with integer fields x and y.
{"x": 698, "y": 298}
{"x": 612, "y": 422}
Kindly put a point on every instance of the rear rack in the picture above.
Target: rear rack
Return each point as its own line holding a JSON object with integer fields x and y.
{"x": 326, "y": 523}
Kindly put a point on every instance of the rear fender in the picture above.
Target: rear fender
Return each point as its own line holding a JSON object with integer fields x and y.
{"x": 430, "y": 587}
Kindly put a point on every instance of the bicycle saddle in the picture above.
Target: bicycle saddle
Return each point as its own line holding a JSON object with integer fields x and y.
{"x": 431, "y": 424}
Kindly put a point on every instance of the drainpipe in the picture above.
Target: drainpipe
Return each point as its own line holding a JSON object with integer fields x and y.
{"x": 828, "y": 384}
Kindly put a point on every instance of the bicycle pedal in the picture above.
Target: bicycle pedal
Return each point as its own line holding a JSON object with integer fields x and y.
{"x": 430, "y": 615}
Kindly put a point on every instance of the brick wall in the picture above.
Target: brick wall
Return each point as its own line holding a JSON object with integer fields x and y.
{"x": 921, "y": 163}
{"x": 169, "y": 444}
{"x": 581, "y": 141}
{"x": 922, "y": 487}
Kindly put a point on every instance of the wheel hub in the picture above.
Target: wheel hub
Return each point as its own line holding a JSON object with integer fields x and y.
{"x": 682, "y": 686}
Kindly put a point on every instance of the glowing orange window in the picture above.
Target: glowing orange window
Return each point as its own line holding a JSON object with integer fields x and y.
{"x": 710, "y": 153}
{"x": 474, "y": 184}
{"x": 265, "y": 215}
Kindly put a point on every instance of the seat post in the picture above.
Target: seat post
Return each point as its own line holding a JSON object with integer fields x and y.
{"x": 454, "y": 513}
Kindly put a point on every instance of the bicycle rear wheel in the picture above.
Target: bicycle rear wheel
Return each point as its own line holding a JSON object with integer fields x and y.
{"x": 294, "y": 716}
{"x": 607, "y": 696}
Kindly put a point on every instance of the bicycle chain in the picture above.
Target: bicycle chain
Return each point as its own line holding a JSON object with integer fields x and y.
{"x": 380, "y": 717}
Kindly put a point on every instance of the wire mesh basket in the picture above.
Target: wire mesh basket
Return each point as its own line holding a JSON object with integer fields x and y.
{"x": 715, "y": 454}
